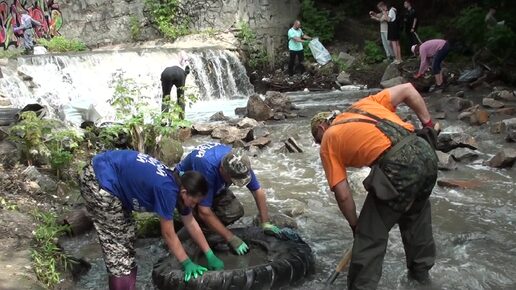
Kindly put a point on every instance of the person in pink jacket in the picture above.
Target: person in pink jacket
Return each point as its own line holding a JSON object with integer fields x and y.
{"x": 433, "y": 51}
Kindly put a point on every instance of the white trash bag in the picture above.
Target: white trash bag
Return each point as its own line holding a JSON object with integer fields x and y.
{"x": 321, "y": 55}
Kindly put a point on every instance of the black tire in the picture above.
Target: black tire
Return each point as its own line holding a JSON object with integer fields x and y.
{"x": 290, "y": 262}
{"x": 8, "y": 116}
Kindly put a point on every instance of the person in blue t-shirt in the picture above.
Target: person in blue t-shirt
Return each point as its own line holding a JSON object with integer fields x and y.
{"x": 116, "y": 183}
{"x": 222, "y": 167}
{"x": 296, "y": 38}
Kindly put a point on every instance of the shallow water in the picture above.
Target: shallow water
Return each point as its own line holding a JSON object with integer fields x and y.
{"x": 474, "y": 229}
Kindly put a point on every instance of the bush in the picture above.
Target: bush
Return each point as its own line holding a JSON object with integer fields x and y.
{"x": 429, "y": 32}
{"x": 169, "y": 17}
{"x": 471, "y": 26}
{"x": 257, "y": 54}
{"x": 317, "y": 22}
{"x": 501, "y": 42}
{"x": 135, "y": 28}
{"x": 62, "y": 44}
{"x": 373, "y": 52}
{"x": 10, "y": 53}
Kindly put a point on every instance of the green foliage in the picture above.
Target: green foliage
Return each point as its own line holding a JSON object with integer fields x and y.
{"x": 168, "y": 15}
{"x": 147, "y": 225}
{"x": 429, "y": 32}
{"x": 47, "y": 257}
{"x": 62, "y": 44}
{"x": 257, "y": 54}
{"x": 373, "y": 52}
{"x": 5, "y": 204}
{"x": 471, "y": 26}
{"x": 341, "y": 64}
{"x": 62, "y": 144}
{"x": 317, "y": 22}
{"x": 10, "y": 53}
{"x": 501, "y": 42}
{"x": 135, "y": 28}
{"x": 29, "y": 135}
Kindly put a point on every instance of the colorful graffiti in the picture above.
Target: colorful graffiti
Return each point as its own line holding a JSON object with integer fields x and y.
{"x": 45, "y": 12}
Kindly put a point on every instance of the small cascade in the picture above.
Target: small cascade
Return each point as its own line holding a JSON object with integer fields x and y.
{"x": 58, "y": 80}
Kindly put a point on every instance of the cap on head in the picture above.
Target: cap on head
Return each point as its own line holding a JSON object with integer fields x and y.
{"x": 318, "y": 119}
{"x": 413, "y": 48}
{"x": 238, "y": 167}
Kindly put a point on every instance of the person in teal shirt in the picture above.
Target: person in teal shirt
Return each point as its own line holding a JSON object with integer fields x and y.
{"x": 296, "y": 37}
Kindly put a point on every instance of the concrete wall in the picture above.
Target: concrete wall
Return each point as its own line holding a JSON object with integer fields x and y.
{"x": 100, "y": 22}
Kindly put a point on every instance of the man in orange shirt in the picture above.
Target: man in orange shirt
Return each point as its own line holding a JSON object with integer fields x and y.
{"x": 403, "y": 174}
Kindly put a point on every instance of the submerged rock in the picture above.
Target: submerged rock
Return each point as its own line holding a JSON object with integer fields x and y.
{"x": 219, "y": 116}
{"x": 505, "y": 158}
{"x": 458, "y": 183}
{"x": 464, "y": 154}
{"x": 446, "y": 162}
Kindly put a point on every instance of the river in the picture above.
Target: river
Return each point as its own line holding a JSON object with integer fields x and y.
{"x": 474, "y": 229}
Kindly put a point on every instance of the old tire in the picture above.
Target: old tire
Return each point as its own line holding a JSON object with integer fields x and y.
{"x": 289, "y": 262}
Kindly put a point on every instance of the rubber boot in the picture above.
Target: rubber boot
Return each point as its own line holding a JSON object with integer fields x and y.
{"x": 126, "y": 282}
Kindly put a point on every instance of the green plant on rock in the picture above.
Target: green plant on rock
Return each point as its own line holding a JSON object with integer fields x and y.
{"x": 170, "y": 17}
{"x": 470, "y": 18}
{"x": 8, "y": 205}
{"x": 47, "y": 257}
{"x": 373, "y": 52}
{"x": 340, "y": 63}
{"x": 317, "y": 22}
{"x": 136, "y": 32}
{"x": 62, "y": 144}
{"x": 257, "y": 54}
{"x": 29, "y": 135}
{"x": 62, "y": 44}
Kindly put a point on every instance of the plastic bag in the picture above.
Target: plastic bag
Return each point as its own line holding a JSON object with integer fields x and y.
{"x": 321, "y": 55}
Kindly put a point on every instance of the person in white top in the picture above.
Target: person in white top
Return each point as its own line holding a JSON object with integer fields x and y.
{"x": 382, "y": 17}
{"x": 393, "y": 30}
{"x": 175, "y": 75}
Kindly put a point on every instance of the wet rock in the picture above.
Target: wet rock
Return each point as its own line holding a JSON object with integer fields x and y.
{"x": 280, "y": 220}
{"x": 343, "y": 79}
{"x": 259, "y": 131}
{"x": 454, "y": 104}
{"x": 393, "y": 82}
{"x": 170, "y": 151}
{"x": 78, "y": 221}
{"x": 247, "y": 123}
{"x": 460, "y": 94}
{"x": 9, "y": 154}
{"x": 77, "y": 268}
{"x": 258, "y": 109}
{"x": 239, "y": 144}
{"x": 505, "y": 158}
{"x": 470, "y": 75}
{"x": 439, "y": 115}
{"x": 492, "y": 103}
{"x": 446, "y": 162}
{"x": 203, "y": 128}
{"x": 47, "y": 184}
{"x": 475, "y": 118}
{"x": 291, "y": 115}
{"x": 278, "y": 102}
{"x": 392, "y": 71}
{"x": 503, "y": 95}
{"x": 458, "y": 183}
{"x": 229, "y": 134}
{"x": 294, "y": 208}
{"x": 507, "y": 111}
{"x": 463, "y": 154}
{"x": 183, "y": 134}
{"x": 449, "y": 141}
{"x": 259, "y": 142}
{"x": 511, "y": 134}
{"x": 348, "y": 59}
{"x": 279, "y": 116}
{"x": 495, "y": 128}
{"x": 219, "y": 116}
{"x": 253, "y": 151}
{"x": 25, "y": 77}
{"x": 241, "y": 111}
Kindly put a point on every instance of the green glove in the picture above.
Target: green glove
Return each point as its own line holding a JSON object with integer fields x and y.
{"x": 238, "y": 245}
{"x": 270, "y": 229}
{"x": 214, "y": 263}
{"x": 192, "y": 270}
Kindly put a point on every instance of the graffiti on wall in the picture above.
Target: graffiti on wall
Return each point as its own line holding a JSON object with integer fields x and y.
{"x": 45, "y": 12}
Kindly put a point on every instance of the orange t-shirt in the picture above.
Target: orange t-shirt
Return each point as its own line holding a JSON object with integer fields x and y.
{"x": 357, "y": 144}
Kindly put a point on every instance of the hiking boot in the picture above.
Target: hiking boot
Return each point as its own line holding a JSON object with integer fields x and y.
{"x": 436, "y": 88}
{"x": 422, "y": 278}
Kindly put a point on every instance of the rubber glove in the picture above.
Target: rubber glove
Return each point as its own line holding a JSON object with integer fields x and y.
{"x": 238, "y": 245}
{"x": 214, "y": 263}
{"x": 270, "y": 229}
{"x": 192, "y": 270}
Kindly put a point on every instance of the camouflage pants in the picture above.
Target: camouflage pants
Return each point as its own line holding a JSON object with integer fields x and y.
{"x": 115, "y": 226}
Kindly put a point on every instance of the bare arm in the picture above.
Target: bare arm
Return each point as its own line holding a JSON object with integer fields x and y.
{"x": 209, "y": 217}
{"x": 195, "y": 232}
{"x": 407, "y": 94}
{"x": 346, "y": 203}
{"x": 173, "y": 242}
{"x": 261, "y": 204}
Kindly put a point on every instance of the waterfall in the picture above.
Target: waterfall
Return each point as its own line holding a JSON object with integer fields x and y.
{"x": 59, "y": 80}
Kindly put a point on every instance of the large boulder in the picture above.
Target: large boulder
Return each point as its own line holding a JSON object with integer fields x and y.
{"x": 449, "y": 141}
{"x": 258, "y": 109}
{"x": 230, "y": 134}
{"x": 393, "y": 82}
{"x": 170, "y": 151}
{"x": 392, "y": 71}
{"x": 454, "y": 104}
{"x": 505, "y": 158}
{"x": 277, "y": 101}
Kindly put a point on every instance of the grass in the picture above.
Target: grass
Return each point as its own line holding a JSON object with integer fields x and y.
{"x": 14, "y": 53}
{"x": 62, "y": 44}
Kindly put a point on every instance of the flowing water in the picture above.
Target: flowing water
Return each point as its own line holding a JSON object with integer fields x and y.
{"x": 474, "y": 229}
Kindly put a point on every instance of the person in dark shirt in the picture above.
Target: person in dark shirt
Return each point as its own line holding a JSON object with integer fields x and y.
{"x": 175, "y": 75}
{"x": 410, "y": 22}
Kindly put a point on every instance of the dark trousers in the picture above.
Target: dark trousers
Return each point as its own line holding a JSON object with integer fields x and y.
{"x": 292, "y": 61}
{"x": 173, "y": 76}
{"x": 370, "y": 244}
{"x": 439, "y": 57}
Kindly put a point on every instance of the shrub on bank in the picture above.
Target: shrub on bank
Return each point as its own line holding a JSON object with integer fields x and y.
{"x": 62, "y": 44}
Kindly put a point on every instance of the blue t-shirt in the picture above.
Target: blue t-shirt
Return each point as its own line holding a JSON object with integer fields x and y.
{"x": 141, "y": 182}
{"x": 206, "y": 159}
